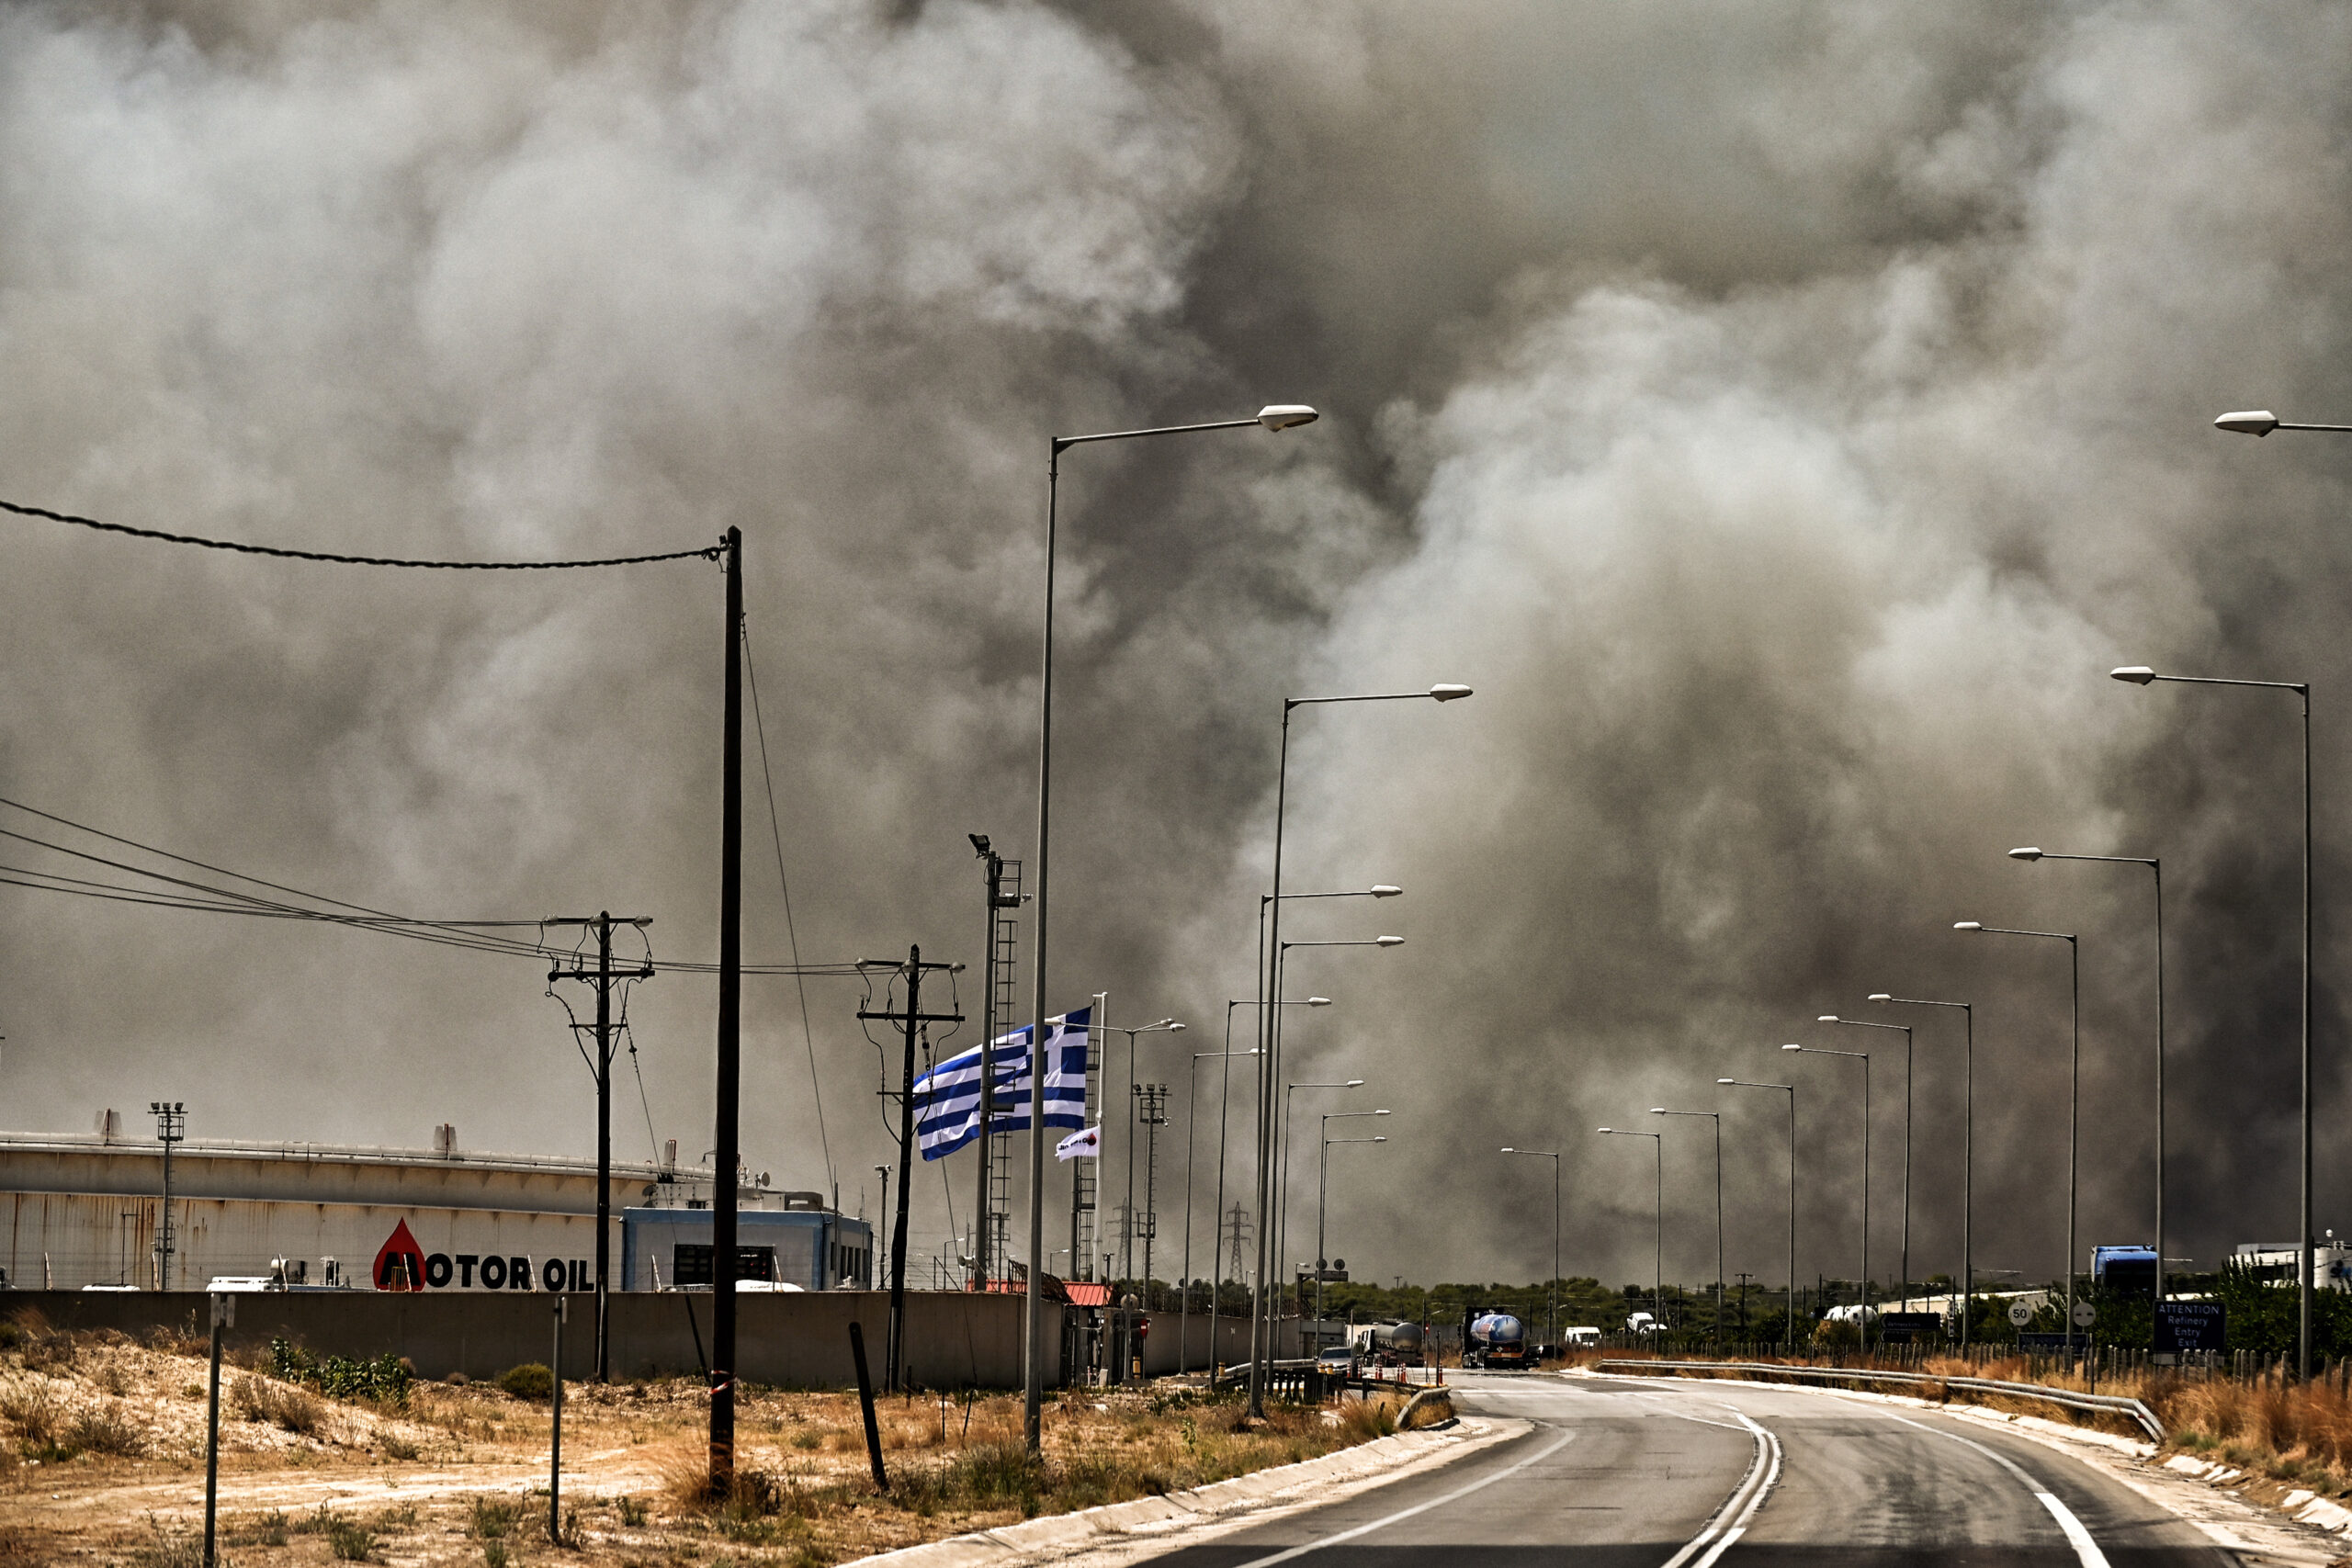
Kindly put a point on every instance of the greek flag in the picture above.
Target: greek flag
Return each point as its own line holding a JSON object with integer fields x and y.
{"x": 948, "y": 1098}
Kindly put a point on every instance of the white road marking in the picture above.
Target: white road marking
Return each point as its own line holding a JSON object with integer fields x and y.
{"x": 2087, "y": 1551}
{"x": 1459, "y": 1492}
{"x": 1763, "y": 1472}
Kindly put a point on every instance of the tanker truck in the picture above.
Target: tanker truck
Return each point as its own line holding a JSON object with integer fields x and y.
{"x": 1391, "y": 1344}
{"x": 1496, "y": 1339}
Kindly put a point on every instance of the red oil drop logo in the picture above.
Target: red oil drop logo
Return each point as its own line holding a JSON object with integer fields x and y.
{"x": 401, "y": 1265}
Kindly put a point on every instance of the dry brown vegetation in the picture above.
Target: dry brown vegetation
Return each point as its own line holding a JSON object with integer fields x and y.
{"x": 102, "y": 1460}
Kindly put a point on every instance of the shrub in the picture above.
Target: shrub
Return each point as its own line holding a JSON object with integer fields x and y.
{"x": 493, "y": 1517}
{"x": 279, "y": 1405}
{"x": 350, "y": 1542}
{"x": 169, "y": 1549}
{"x": 105, "y": 1430}
{"x": 31, "y": 1409}
{"x": 532, "y": 1380}
{"x": 633, "y": 1513}
{"x": 270, "y": 1530}
{"x": 386, "y": 1378}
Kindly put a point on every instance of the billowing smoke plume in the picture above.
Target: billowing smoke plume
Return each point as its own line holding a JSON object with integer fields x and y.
{"x": 1782, "y": 414}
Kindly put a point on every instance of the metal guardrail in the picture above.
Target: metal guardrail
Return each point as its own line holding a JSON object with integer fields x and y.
{"x": 2114, "y": 1403}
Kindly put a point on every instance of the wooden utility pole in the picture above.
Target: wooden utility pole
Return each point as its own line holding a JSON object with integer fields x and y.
{"x": 913, "y": 1017}
{"x": 730, "y": 1037}
{"x": 603, "y": 979}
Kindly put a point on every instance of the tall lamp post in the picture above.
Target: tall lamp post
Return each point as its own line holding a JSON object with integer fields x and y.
{"x": 1791, "y": 1090}
{"x": 1967, "y": 1157}
{"x": 2140, "y": 675}
{"x": 1260, "y": 1334}
{"x": 2156, "y": 867}
{"x": 1322, "y": 1188}
{"x": 1273, "y": 1134}
{"x": 1275, "y": 416}
{"x": 1282, "y": 1132}
{"x": 1657, "y": 1258}
{"x": 1552, "y": 1306}
{"x": 1717, "y": 1117}
{"x": 1863, "y": 1323}
{"x": 1865, "y": 1023}
{"x": 1192, "y": 1127}
{"x": 1224, "y": 1100}
{"x": 2073, "y": 1083}
{"x": 1127, "y": 1236}
{"x": 1281, "y": 1166}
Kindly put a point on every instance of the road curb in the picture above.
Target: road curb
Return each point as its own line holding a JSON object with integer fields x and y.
{"x": 1163, "y": 1522}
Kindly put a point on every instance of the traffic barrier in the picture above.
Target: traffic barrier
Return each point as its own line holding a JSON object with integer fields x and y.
{"x": 2113, "y": 1403}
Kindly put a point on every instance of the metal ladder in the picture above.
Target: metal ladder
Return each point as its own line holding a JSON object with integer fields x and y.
{"x": 1085, "y": 1179}
{"x": 999, "y": 1219}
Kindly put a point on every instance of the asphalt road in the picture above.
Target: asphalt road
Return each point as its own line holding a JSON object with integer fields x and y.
{"x": 1659, "y": 1475}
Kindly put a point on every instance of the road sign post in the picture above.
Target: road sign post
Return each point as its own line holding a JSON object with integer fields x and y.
{"x": 2183, "y": 1327}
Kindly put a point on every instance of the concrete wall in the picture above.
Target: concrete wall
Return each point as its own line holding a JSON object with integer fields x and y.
{"x": 1159, "y": 1347}
{"x": 954, "y": 1340}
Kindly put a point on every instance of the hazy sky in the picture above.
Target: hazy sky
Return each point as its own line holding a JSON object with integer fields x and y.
{"x": 1784, "y": 414}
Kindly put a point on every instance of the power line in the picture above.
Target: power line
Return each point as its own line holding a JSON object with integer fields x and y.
{"x": 791, "y": 935}
{"x": 708, "y": 552}
{"x": 469, "y": 934}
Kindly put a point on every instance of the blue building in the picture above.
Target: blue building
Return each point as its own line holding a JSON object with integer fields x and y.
{"x": 803, "y": 1245}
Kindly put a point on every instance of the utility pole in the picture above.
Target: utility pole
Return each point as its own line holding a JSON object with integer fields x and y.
{"x": 730, "y": 1088}
{"x": 913, "y": 1017}
{"x": 1151, "y": 1105}
{"x": 602, "y": 977}
{"x": 171, "y": 1127}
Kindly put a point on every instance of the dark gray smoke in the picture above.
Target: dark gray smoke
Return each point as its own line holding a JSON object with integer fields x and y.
{"x": 1783, "y": 414}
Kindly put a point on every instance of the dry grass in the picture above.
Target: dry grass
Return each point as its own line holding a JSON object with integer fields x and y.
{"x": 457, "y": 1475}
{"x": 281, "y": 1405}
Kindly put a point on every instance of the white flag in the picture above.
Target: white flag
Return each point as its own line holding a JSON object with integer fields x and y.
{"x": 1086, "y": 1143}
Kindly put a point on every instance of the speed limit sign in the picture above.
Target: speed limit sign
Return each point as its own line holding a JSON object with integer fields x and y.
{"x": 2085, "y": 1314}
{"x": 2021, "y": 1314}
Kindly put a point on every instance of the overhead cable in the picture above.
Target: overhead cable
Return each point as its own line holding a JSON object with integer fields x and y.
{"x": 708, "y": 552}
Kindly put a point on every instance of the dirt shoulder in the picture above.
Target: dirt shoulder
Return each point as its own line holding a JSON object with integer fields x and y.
{"x": 102, "y": 1460}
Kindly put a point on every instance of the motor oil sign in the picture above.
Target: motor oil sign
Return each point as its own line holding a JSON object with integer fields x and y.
{"x": 402, "y": 1265}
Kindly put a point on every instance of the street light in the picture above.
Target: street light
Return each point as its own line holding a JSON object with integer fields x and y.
{"x": 1281, "y": 1169}
{"x": 1791, "y": 1090}
{"x": 1658, "y": 1260}
{"x": 2140, "y": 675}
{"x": 1552, "y": 1293}
{"x": 2074, "y": 1084}
{"x": 1865, "y": 1023}
{"x": 2157, "y": 867}
{"x": 1261, "y": 1329}
{"x": 2262, "y": 421}
{"x": 1968, "y": 1154}
{"x": 1717, "y": 1117}
{"x": 1225, "y": 1103}
{"x": 1274, "y": 416}
{"x": 1322, "y": 1185}
{"x": 1127, "y": 1239}
{"x": 1269, "y": 1022}
{"x": 1863, "y": 1323}
{"x": 1192, "y": 1128}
